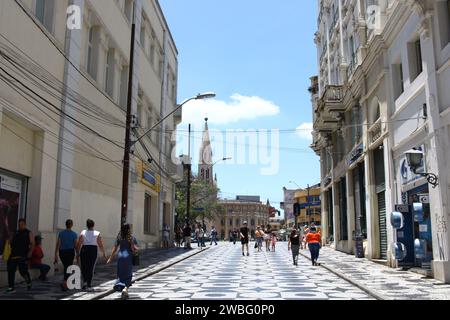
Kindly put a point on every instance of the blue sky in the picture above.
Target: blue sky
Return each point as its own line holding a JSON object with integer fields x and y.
{"x": 257, "y": 55}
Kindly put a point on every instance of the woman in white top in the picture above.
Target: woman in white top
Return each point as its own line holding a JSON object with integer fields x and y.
{"x": 89, "y": 242}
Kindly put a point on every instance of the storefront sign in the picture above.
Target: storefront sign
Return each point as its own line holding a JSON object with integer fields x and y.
{"x": 148, "y": 178}
{"x": 355, "y": 154}
{"x": 10, "y": 184}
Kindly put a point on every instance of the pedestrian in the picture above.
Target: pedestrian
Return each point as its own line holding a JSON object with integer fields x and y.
{"x": 244, "y": 239}
{"x": 197, "y": 235}
{"x": 267, "y": 233}
{"x": 213, "y": 236}
{"x": 313, "y": 238}
{"x": 65, "y": 248}
{"x": 165, "y": 236}
{"x": 294, "y": 245}
{"x": 126, "y": 247}
{"x": 201, "y": 236}
{"x": 187, "y": 236}
{"x": 36, "y": 259}
{"x": 259, "y": 234}
{"x": 274, "y": 241}
{"x": 21, "y": 249}
{"x": 178, "y": 236}
{"x": 235, "y": 236}
{"x": 89, "y": 242}
{"x": 305, "y": 232}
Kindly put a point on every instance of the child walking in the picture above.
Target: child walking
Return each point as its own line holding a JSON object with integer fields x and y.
{"x": 274, "y": 241}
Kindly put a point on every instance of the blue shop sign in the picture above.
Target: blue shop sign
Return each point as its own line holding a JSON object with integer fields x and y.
{"x": 150, "y": 178}
{"x": 355, "y": 154}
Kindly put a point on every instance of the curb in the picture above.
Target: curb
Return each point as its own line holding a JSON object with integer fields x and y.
{"x": 148, "y": 274}
{"x": 371, "y": 292}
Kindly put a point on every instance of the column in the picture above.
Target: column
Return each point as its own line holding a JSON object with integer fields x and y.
{"x": 435, "y": 159}
{"x": 64, "y": 178}
{"x": 350, "y": 210}
{"x": 336, "y": 212}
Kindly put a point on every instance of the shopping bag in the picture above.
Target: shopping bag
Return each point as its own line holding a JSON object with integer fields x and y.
{"x": 7, "y": 251}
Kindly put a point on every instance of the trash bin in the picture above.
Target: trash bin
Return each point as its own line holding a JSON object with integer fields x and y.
{"x": 359, "y": 247}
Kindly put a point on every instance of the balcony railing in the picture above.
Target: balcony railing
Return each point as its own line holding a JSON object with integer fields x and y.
{"x": 376, "y": 131}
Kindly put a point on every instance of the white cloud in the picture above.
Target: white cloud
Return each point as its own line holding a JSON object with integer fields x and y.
{"x": 305, "y": 130}
{"x": 221, "y": 112}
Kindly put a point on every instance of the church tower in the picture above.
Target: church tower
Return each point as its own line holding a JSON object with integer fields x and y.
{"x": 205, "y": 165}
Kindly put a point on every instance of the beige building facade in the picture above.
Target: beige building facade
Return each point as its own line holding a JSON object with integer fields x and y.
{"x": 381, "y": 91}
{"x": 63, "y": 96}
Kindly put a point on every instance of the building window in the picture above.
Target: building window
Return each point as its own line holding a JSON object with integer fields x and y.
{"x": 129, "y": 9}
{"x": 124, "y": 87}
{"x": 44, "y": 12}
{"x": 90, "y": 66}
{"x": 147, "y": 214}
{"x": 443, "y": 13}
{"x": 207, "y": 174}
{"x": 231, "y": 222}
{"x": 397, "y": 76}
{"x": 415, "y": 59}
{"x": 109, "y": 76}
{"x": 356, "y": 125}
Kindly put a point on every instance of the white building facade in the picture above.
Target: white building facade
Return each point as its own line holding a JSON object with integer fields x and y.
{"x": 63, "y": 98}
{"x": 382, "y": 90}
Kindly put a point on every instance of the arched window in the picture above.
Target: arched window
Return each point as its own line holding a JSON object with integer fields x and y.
{"x": 207, "y": 174}
{"x": 374, "y": 111}
{"x": 203, "y": 173}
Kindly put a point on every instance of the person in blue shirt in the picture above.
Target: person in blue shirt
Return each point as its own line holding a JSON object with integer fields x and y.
{"x": 65, "y": 248}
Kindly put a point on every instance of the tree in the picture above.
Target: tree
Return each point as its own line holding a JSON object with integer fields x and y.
{"x": 204, "y": 202}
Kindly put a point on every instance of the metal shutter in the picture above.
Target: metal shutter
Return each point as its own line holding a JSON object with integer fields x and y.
{"x": 382, "y": 224}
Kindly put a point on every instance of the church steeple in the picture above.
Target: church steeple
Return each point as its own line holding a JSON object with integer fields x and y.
{"x": 205, "y": 166}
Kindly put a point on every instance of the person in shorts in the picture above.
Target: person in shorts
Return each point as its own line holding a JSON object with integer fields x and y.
{"x": 244, "y": 238}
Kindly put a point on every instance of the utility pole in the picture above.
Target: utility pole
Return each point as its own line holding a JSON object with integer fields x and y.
{"x": 128, "y": 144}
{"x": 188, "y": 197}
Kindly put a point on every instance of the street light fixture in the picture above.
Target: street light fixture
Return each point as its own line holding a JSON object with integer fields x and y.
{"x": 200, "y": 96}
{"x": 415, "y": 161}
{"x": 224, "y": 159}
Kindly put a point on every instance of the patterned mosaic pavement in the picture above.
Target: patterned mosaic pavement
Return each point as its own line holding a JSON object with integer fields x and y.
{"x": 222, "y": 273}
{"x": 391, "y": 284}
{"x": 104, "y": 278}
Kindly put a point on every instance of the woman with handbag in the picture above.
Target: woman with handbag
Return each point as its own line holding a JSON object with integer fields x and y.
{"x": 126, "y": 248}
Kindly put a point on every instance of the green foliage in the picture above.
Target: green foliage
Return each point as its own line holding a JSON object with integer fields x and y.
{"x": 203, "y": 195}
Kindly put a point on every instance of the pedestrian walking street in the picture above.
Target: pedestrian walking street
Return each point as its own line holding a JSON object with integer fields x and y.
{"x": 222, "y": 273}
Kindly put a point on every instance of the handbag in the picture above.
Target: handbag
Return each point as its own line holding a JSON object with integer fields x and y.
{"x": 7, "y": 251}
{"x": 136, "y": 259}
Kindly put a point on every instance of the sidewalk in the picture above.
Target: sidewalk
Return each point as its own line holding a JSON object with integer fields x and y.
{"x": 382, "y": 281}
{"x": 152, "y": 260}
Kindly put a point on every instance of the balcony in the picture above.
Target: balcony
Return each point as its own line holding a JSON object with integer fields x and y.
{"x": 326, "y": 124}
{"x": 332, "y": 99}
